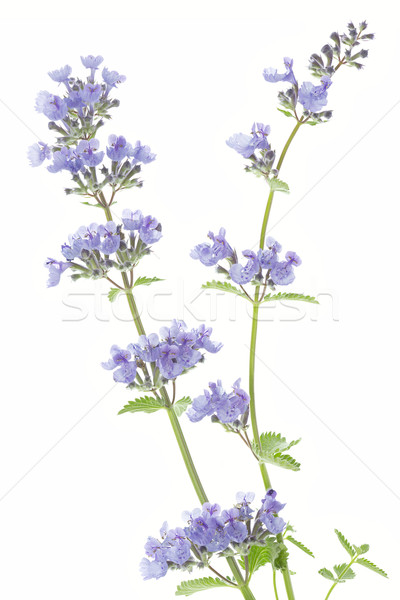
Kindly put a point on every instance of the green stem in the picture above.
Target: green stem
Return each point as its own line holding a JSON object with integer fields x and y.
{"x": 341, "y": 575}
{"x": 253, "y": 343}
{"x": 274, "y": 582}
{"x": 180, "y": 438}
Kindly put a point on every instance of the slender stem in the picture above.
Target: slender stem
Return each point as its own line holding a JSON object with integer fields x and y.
{"x": 180, "y": 438}
{"x": 341, "y": 575}
{"x": 221, "y": 576}
{"x": 253, "y": 343}
{"x": 274, "y": 582}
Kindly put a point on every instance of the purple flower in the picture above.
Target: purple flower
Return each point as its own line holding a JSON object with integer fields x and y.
{"x": 118, "y": 148}
{"x": 53, "y": 107}
{"x": 272, "y": 76}
{"x": 87, "y": 151}
{"x": 314, "y": 97}
{"x": 91, "y": 93}
{"x": 243, "y": 144}
{"x": 293, "y": 258}
{"x": 61, "y": 75}
{"x": 56, "y": 269}
{"x": 147, "y": 348}
{"x": 112, "y": 78}
{"x": 208, "y": 254}
{"x": 74, "y": 100}
{"x": 203, "y": 340}
{"x": 141, "y": 154}
{"x": 243, "y": 503}
{"x": 150, "y": 230}
{"x": 91, "y": 62}
{"x": 153, "y": 569}
{"x": 242, "y": 275}
{"x": 269, "y": 257}
{"x": 235, "y": 528}
{"x": 267, "y": 514}
{"x": 37, "y": 154}
{"x": 126, "y": 371}
{"x": 67, "y": 159}
{"x": 178, "y": 547}
{"x": 132, "y": 220}
{"x": 282, "y": 273}
{"x": 110, "y": 237}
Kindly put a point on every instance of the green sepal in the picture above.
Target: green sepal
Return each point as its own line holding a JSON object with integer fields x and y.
{"x": 181, "y": 405}
{"x": 187, "y": 588}
{"x": 145, "y": 404}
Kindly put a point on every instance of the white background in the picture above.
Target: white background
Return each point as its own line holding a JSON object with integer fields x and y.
{"x": 82, "y": 487}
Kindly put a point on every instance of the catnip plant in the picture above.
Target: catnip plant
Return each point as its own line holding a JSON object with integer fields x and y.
{"x": 251, "y": 533}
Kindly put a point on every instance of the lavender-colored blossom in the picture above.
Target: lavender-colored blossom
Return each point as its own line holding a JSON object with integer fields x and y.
{"x": 209, "y": 255}
{"x": 272, "y": 76}
{"x": 150, "y": 230}
{"x": 53, "y": 107}
{"x": 87, "y": 150}
{"x": 65, "y": 159}
{"x": 178, "y": 547}
{"x": 120, "y": 360}
{"x": 112, "y": 78}
{"x": 243, "y": 274}
{"x": 315, "y": 97}
{"x": 153, "y": 569}
{"x": 118, "y": 148}
{"x": 56, "y": 269}
{"x": 269, "y": 256}
{"x": 61, "y": 75}
{"x": 147, "y": 348}
{"x": 243, "y": 504}
{"x": 37, "y": 153}
{"x": 203, "y": 340}
{"x": 282, "y": 273}
{"x": 91, "y": 62}
{"x": 267, "y": 514}
{"x": 293, "y": 258}
{"x": 91, "y": 93}
{"x": 132, "y": 220}
{"x": 141, "y": 154}
{"x": 235, "y": 528}
{"x": 226, "y": 406}
{"x": 243, "y": 144}
{"x": 110, "y": 237}
{"x": 74, "y": 100}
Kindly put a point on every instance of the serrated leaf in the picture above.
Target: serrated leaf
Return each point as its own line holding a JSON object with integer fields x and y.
{"x": 113, "y": 294}
{"x": 187, "y": 588}
{"x": 286, "y": 112}
{"x": 299, "y": 545}
{"x": 345, "y": 543}
{"x": 145, "y": 404}
{"x": 260, "y": 556}
{"x": 146, "y": 281}
{"x": 272, "y": 448}
{"x": 327, "y": 574}
{"x": 344, "y": 572}
{"x": 290, "y": 296}
{"x": 277, "y": 185}
{"x": 181, "y": 405}
{"x": 224, "y": 286}
{"x": 369, "y": 565}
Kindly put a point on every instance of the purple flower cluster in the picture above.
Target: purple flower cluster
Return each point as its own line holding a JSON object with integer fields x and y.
{"x": 226, "y": 406}
{"x": 312, "y": 97}
{"x": 278, "y": 272}
{"x": 210, "y": 530}
{"x": 94, "y": 244}
{"x": 76, "y": 117}
{"x": 174, "y": 351}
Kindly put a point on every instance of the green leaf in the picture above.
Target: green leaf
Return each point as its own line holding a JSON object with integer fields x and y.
{"x": 277, "y": 185}
{"x": 145, "y": 404}
{"x": 363, "y": 549}
{"x": 90, "y": 204}
{"x": 339, "y": 569}
{"x": 272, "y": 448}
{"x": 113, "y": 294}
{"x": 146, "y": 281}
{"x": 289, "y": 296}
{"x": 369, "y": 565}
{"x": 345, "y": 543}
{"x": 187, "y": 588}
{"x": 224, "y": 286}
{"x": 327, "y": 574}
{"x": 181, "y": 405}
{"x": 260, "y": 556}
{"x": 299, "y": 545}
{"x": 286, "y": 112}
